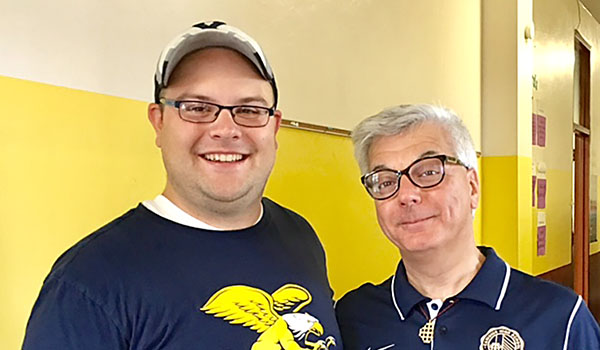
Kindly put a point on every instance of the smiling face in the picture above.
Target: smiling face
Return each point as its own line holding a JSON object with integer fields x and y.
{"x": 220, "y": 167}
{"x": 417, "y": 219}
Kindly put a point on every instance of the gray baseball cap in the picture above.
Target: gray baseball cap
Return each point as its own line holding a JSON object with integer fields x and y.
{"x": 210, "y": 34}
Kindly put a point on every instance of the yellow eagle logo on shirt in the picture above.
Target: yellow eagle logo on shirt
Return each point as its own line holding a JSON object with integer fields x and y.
{"x": 259, "y": 311}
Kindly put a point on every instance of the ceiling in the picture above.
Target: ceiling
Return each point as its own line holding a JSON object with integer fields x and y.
{"x": 594, "y": 7}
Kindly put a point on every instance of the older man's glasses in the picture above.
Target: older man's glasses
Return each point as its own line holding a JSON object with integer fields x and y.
{"x": 425, "y": 172}
{"x": 207, "y": 112}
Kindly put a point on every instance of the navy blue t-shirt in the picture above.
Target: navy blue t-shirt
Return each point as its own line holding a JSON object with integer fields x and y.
{"x": 501, "y": 308}
{"x": 145, "y": 282}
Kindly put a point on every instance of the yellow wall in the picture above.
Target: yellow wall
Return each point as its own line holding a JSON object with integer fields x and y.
{"x": 501, "y": 208}
{"x": 506, "y": 129}
{"x": 71, "y": 162}
{"x": 317, "y": 176}
{"x": 74, "y": 160}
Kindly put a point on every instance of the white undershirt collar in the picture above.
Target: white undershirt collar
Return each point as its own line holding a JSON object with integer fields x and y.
{"x": 162, "y": 206}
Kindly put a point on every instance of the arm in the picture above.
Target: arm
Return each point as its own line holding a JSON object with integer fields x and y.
{"x": 65, "y": 317}
{"x": 582, "y": 330}
{"x": 347, "y": 323}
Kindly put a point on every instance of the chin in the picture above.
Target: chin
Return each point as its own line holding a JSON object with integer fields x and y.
{"x": 226, "y": 197}
{"x": 419, "y": 243}
{"x": 228, "y": 192}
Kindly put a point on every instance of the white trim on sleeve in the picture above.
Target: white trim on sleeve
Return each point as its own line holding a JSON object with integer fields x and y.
{"x": 575, "y": 309}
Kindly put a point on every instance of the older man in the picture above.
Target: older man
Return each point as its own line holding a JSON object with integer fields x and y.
{"x": 420, "y": 167}
{"x": 210, "y": 263}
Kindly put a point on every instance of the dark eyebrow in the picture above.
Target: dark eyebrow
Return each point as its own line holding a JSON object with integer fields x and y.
{"x": 253, "y": 99}
{"x": 191, "y": 97}
{"x": 242, "y": 101}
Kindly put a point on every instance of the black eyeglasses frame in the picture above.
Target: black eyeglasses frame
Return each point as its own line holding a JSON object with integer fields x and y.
{"x": 177, "y": 105}
{"x": 445, "y": 159}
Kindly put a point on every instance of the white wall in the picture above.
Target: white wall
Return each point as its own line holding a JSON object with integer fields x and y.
{"x": 337, "y": 61}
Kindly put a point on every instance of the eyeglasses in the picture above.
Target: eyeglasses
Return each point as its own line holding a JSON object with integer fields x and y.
{"x": 207, "y": 112}
{"x": 425, "y": 172}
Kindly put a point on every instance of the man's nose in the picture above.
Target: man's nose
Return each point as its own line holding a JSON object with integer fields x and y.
{"x": 224, "y": 126}
{"x": 408, "y": 194}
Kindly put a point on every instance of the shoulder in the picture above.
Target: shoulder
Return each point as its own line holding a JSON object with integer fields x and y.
{"x": 280, "y": 212}
{"x": 367, "y": 297}
{"x": 526, "y": 292}
{"x": 584, "y": 332}
{"x": 529, "y": 285}
{"x": 80, "y": 289}
{"x": 287, "y": 226}
{"x": 101, "y": 250}
{"x": 286, "y": 219}
{"x": 559, "y": 305}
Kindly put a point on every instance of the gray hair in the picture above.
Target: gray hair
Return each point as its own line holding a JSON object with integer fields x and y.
{"x": 399, "y": 119}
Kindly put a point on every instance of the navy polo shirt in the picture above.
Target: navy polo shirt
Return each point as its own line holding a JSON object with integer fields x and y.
{"x": 501, "y": 308}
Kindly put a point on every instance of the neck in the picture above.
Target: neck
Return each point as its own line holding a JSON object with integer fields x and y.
{"x": 226, "y": 216}
{"x": 442, "y": 274}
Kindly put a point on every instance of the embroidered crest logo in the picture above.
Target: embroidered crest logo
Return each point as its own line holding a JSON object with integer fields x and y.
{"x": 501, "y": 338}
{"x": 259, "y": 311}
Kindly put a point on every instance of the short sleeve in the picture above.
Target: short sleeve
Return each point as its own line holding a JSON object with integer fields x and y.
{"x": 64, "y": 317}
{"x": 584, "y": 332}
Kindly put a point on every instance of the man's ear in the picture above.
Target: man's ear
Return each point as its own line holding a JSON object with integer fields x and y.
{"x": 277, "y": 116}
{"x": 474, "y": 192}
{"x": 155, "y": 116}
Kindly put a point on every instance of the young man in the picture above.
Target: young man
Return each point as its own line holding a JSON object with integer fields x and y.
{"x": 210, "y": 263}
{"x": 421, "y": 168}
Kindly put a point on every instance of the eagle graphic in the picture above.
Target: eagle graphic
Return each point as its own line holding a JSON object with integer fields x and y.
{"x": 257, "y": 310}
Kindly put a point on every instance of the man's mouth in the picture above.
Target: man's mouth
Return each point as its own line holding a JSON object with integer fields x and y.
{"x": 415, "y": 221}
{"x": 224, "y": 157}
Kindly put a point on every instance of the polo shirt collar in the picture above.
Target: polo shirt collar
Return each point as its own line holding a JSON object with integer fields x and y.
{"x": 404, "y": 296}
{"x": 489, "y": 285}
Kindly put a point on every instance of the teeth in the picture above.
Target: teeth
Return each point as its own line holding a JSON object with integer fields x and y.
{"x": 223, "y": 157}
